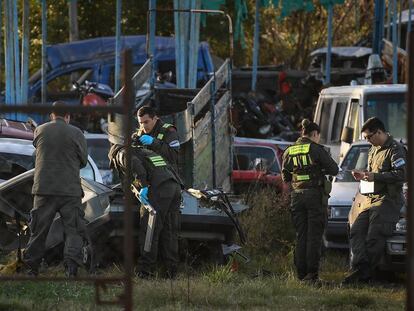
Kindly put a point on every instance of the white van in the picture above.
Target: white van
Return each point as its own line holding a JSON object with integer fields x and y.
{"x": 341, "y": 111}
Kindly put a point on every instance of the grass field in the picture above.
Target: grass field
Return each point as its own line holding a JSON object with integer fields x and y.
{"x": 267, "y": 283}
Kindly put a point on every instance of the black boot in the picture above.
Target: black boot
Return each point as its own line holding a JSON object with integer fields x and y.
{"x": 361, "y": 275}
{"x": 311, "y": 277}
{"x": 71, "y": 268}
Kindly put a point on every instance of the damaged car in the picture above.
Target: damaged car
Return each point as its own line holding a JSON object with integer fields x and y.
{"x": 208, "y": 222}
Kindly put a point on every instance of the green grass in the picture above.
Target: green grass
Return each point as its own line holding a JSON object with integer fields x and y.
{"x": 267, "y": 283}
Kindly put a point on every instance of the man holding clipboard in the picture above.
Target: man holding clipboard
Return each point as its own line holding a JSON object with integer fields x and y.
{"x": 382, "y": 185}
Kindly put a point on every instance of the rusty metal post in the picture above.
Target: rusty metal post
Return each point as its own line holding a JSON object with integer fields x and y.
{"x": 410, "y": 210}
{"x": 128, "y": 216}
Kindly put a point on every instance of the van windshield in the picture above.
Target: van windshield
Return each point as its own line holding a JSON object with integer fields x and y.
{"x": 390, "y": 109}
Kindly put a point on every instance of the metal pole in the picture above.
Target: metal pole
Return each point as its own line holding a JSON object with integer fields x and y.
{"x": 194, "y": 45}
{"x": 73, "y": 21}
{"x": 151, "y": 39}
{"x": 399, "y": 10}
{"x": 256, "y": 45}
{"x": 25, "y": 52}
{"x": 128, "y": 215}
{"x": 7, "y": 53}
{"x": 44, "y": 56}
{"x": 152, "y": 29}
{"x": 213, "y": 129}
{"x": 394, "y": 43}
{"x": 410, "y": 10}
{"x": 410, "y": 178}
{"x": 329, "y": 51}
{"x": 389, "y": 8}
{"x": 11, "y": 59}
{"x": 378, "y": 26}
{"x": 16, "y": 56}
{"x": 117, "y": 44}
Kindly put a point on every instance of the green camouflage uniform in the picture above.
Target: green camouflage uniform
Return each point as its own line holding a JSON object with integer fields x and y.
{"x": 305, "y": 165}
{"x": 377, "y": 220}
{"x": 150, "y": 170}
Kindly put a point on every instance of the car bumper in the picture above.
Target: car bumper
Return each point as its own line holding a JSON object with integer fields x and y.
{"x": 193, "y": 226}
{"x": 395, "y": 255}
{"x": 336, "y": 234}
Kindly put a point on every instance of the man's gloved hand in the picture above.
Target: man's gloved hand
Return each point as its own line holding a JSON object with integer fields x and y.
{"x": 146, "y": 140}
{"x": 143, "y": 195}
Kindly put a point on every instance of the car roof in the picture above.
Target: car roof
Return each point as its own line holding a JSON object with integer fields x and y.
{"x": 16, "y": 146}
{"x": 358, "y": 90}
{"x": 344, "y": 51}
{"x": 262, "y": 142}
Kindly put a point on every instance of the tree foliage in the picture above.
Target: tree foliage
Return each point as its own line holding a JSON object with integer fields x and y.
{"x": 288, "y": 40}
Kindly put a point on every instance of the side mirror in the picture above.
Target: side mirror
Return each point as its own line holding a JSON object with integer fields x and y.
{"x": 347, "y": 134}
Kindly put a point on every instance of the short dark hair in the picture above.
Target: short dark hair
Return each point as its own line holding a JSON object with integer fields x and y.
{"x": 150, "y": 111}
{"x": 309, "y": 126}
{"x": 373, "y": 124}
{"x": 60, "y": 111}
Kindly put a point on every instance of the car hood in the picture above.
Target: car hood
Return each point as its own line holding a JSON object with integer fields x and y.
{"x": 343, "y": 193}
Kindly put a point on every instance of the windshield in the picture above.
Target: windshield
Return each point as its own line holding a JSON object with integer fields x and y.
{"x": 98, "y": 149}
{"x": 246, "y": 158}
{"x": 355, "y": 159}
{"x": 390, "y": 109}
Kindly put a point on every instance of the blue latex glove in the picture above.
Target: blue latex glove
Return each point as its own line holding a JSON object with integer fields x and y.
{"x": 146, "y": 140}
{"x": 143, "y": 195}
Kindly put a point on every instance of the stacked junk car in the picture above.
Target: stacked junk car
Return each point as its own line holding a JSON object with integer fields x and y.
{"x": 209, "y": 226}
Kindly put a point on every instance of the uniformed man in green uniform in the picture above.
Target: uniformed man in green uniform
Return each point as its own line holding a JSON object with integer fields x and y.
{"x": 305, "y": 165}
{"x": 376, "y": 222}
{"x": 60, "y": 154}
{"x": 158, "y": 136}
{"x": 160, "y": 187}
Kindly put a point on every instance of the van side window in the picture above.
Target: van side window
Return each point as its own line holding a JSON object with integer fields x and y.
{"x": 353, "y": 119}
{"x": 325, "y": 118}
{"x": 338, "y": 122}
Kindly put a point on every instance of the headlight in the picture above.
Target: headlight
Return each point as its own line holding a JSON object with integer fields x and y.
{"x": 401, "y": 226}
{"x": 338, "y": 212}
{"x": 397, "y": 247}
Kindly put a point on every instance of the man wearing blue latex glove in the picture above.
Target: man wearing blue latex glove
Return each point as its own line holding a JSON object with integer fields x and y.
{"x": 143, "y": 195}
{"x": 146, "y": 140}
{"x": 159, "y": 187}
{"x": 158, "y": 136}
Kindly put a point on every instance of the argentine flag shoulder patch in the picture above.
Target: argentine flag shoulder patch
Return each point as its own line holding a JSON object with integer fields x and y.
{"x": 398, "y": 163}
{"x": 174, "y": 144}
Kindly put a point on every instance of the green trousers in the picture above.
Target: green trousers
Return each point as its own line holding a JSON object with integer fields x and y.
{"x": 309, "y": 216}
{"x": 370, "y": 231}
{"x": 166, "y": 200}
{"x": 42, "y": 215}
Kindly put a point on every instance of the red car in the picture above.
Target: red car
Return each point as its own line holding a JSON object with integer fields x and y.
{"x": 15, "y": 129}
{"x": 257, "y": 162}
